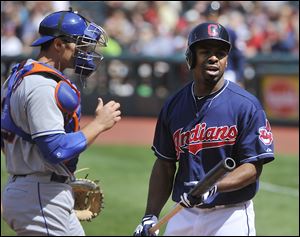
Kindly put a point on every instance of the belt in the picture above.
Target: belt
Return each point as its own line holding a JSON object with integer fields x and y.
{"x": 213, "y": 207}
{"x": 54, "y": 177}
{"x": 219, "y": 206}
{"x": 58, "y": 178}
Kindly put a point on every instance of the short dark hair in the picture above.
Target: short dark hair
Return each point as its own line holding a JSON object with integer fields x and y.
{"x": 45, "y": 46}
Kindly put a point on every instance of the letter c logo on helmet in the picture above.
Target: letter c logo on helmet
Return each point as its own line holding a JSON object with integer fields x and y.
{"x": 74, "y": 28}
{"x": 212, "y": 30}
{"x": 203, "y": 32}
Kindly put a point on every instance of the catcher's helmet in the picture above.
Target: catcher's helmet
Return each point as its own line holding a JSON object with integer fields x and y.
{"x": 62, "y": 23}
{"x": 74, "y": 28}
{"x": 203, "y": 32}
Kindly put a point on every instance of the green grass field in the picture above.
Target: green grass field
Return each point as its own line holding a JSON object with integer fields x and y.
{"x": 124, "y": 172}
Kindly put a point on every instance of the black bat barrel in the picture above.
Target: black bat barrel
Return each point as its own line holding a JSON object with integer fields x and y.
{"x": 213, "y": 176}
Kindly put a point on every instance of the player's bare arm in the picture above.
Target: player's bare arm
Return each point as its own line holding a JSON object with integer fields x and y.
{"x": 160, "y": 187}
{"x": 241, "y": 177}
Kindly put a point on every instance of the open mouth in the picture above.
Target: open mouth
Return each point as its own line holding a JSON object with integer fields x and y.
{"x": 212, "y": 70}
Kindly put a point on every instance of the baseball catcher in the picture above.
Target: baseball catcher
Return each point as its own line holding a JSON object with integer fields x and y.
{"x": 88, "y": 197}
{"x": 40, "y": 129}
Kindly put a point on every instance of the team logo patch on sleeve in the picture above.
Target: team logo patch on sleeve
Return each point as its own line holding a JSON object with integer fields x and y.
{"x": 265, "y": 134}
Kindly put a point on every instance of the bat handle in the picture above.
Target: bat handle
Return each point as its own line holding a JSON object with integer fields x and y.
{"x": 214, "y": 175}
{"x": 165, "y": 218}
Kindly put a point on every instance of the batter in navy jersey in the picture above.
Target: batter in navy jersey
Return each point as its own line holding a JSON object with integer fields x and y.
{"x": 206, "y": 121}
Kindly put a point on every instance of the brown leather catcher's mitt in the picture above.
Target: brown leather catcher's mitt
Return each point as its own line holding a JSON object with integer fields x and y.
{"x": 88, "y": 198}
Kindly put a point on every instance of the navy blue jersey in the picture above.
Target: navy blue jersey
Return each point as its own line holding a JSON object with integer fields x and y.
{"x": 200, "y": 132}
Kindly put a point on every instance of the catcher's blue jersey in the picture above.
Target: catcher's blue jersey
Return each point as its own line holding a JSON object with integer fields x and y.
{"x": 200, "y": 132}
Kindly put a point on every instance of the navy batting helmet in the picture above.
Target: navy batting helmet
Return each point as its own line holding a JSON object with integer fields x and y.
{"x": 203, "y": 32}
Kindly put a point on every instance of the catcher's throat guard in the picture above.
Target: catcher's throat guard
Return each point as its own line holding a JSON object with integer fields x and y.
{"x": 88, "y": 56}
{"x": 88, "y": 199}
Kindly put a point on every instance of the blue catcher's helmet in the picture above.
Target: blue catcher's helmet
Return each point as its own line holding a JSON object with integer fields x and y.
{"x": 74, "y": 28}
{"x": 202, "y": 33}
{"x": 62, "y": 23}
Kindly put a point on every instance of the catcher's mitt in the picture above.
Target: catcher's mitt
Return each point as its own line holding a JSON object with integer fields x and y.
{"x": 88, "y": 198}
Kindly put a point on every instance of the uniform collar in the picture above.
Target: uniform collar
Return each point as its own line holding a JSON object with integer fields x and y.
{"x": 211, "y": 95}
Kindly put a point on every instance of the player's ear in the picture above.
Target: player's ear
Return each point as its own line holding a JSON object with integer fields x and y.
{"x": 58, "y": 44}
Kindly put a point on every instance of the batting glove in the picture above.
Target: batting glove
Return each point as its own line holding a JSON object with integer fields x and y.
{"x": 143, "y": 228}
{"x": 190, "y": 201}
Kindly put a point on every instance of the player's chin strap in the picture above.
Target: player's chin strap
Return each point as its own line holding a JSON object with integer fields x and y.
{"x": 87, "y": 58}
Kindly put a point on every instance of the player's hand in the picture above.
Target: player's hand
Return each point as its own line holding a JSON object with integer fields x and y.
{"x": 190, "y": 201}
{"x": 107, "y": 115}
{"x": 143, "y": 228}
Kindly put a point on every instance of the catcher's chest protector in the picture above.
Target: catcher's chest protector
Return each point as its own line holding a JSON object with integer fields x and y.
{"x": 66, "y": 94}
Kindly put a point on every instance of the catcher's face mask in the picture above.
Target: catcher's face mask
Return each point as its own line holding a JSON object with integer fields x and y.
{"x": 87, "y": 53}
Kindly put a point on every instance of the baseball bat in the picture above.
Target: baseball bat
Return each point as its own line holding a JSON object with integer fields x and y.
{"x": 202, "y": 186}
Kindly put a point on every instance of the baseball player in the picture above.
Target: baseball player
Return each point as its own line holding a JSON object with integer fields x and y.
{"x": 40, "y": 134}
{"x": 206, "y": 121}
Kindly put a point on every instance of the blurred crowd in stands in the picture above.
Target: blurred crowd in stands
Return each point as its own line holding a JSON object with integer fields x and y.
{"x": 160, "y": 28}
{"x": 157, "y": 29}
